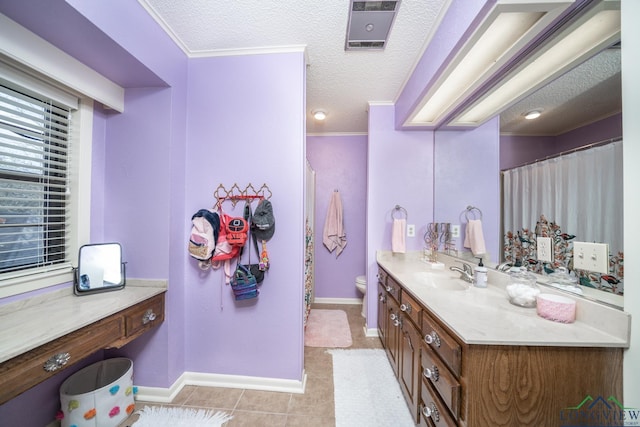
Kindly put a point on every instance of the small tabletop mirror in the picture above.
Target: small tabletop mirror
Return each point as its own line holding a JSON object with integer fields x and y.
{"x": 100, "y": 269}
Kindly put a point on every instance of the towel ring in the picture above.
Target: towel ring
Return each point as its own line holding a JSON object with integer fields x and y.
{"x": 400, "y": 209}
{"x": 472, "y": 210}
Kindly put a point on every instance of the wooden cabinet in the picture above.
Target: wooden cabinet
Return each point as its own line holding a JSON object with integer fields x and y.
{"x": 447, "y": 382}
{"x": 31, "y": 368}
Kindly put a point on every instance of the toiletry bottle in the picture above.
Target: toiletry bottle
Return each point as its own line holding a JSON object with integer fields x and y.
{"x": 480, "y": 275}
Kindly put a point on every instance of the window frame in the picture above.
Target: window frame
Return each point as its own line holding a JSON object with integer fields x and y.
{"x": 79, "y": 203}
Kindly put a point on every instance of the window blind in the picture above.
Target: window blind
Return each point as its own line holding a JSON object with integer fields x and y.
{"x": 34, "y": 211}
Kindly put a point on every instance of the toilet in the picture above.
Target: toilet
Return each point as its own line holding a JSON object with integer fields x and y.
{"x": 361, "y": 284}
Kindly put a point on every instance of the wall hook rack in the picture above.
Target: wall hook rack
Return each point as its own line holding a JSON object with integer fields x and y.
{"x": 236, "y": 194}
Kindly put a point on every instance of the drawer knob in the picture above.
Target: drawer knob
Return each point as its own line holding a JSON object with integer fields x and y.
{"x": 148, "y": 316}
{"x": 432, "y": 338}
{"x": 389, "y": 289}
{"x": 393, "y": 316}
{"x": 406, "y": 308}
{"x": 56, "y": 362}
{"x": 382, "y": 298}
{"x": 431, "y": 411}
{"x": 431, "y": 373}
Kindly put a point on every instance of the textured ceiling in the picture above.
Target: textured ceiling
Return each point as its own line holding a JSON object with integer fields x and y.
{"x": 588, "y": 93}
{"x": 343, "y": 82}
{"x": 339, "y": 82}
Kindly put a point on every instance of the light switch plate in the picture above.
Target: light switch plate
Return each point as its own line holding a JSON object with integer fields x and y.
{"x": 591, "y": 257}
{"x": 411, "y": 230}
{"x": 544, "y": 249}
{"x": 455, "y": 231}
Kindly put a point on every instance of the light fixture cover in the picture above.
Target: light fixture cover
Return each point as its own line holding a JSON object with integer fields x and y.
{"x": 319, "y": 114}
{"x": 533, "y": 114}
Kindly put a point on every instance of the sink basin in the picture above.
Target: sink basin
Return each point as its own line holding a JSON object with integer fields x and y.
{"x": 440, "y": 281}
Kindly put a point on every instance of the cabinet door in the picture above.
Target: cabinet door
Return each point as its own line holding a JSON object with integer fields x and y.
{"x": 409, "y": 357}
{"x": 383, "y": 322}
{"x": 393, "y": 332}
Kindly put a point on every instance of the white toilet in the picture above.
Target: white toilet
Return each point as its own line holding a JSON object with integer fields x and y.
{"x": 361, "y": 284}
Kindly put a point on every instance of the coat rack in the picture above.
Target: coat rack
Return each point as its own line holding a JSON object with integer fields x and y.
{"x": 235, "y": 194}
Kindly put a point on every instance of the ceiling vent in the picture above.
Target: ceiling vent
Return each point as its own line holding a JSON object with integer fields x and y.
{"x": 370, "y": 24}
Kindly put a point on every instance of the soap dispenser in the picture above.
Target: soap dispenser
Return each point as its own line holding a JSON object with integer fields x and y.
{"x": 480, "y": 275}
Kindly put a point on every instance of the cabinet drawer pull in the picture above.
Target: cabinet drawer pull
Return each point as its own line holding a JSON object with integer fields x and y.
{"x": 406, "y": 308}
{"x": 432, "y": 373}
{"x": 148, "y": 316}
{"x": 56, "y": 362}
{"x": 382, "y": 298}
{"x": 397, "y": 322}
{"x": 389, "y": 289}
{"x": 393, "y": 316}
{"x": 431, "y": 411}
{"x": 432, "y": 338}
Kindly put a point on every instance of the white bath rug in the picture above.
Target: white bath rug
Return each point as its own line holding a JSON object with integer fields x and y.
{"x": 161, "y": 416}
{"x": 366, "y": 391}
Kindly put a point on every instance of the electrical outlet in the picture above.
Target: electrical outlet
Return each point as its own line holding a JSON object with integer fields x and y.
{"x": 544, "y": 249}
{"x": 455, "y": 231}
{"x": 411, "y": 230}
{"x": 591, "y": 257}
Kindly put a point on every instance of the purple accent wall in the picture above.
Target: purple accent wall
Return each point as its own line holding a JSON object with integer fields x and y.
{"x": 518, "y": 150}
{"x": 466, "y": 173}
{"x": 340, "y": 162}
{"x": 400, "y": 172}
{"x": 246, "y": 125}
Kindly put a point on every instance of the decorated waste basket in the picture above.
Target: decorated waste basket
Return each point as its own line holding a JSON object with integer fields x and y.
{"x": 100, "y": 395}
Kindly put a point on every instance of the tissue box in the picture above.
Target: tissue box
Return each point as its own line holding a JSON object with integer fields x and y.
{"x": 100, "y": 395}
{"x": 556, "y": 308}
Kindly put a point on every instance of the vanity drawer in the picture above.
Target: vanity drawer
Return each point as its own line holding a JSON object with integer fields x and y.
{"x": 441, "y": 343}
{"x": 382, "y": 277}
{"x": 393, "y": 289}
{"x": 410, "y": 307}
{"x": 432, "y": 411}
{"x": 443, "y": 381}
{"x": 25, "y": 371}
{"x": 144, "y": 316}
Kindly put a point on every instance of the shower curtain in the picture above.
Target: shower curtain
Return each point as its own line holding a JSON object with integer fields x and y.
{"x": 580, "y": 191}
{"x": 310, "y": 196}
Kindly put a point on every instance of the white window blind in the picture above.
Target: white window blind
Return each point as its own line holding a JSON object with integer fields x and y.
{"x": 34, "y": 211}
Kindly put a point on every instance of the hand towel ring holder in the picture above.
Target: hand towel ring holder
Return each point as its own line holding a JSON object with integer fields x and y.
{"x": 400, "y": 209}
{"x": 472, "y": 210}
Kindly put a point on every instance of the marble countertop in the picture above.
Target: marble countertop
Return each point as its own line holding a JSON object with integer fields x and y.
{"x": 485, "y": 316}
{"x": 32, "y": 322}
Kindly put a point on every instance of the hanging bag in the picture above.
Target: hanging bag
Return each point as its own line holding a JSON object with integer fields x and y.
{"x": 244, "y": 284}
{"x": 255, "y": 269}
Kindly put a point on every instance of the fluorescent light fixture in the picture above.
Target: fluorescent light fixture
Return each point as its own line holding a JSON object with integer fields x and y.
{"x": 319, "y": 115}
{"x": 597, "y": 29}
{"x": 506, "y": 29}
{"x": 532, "y": 115}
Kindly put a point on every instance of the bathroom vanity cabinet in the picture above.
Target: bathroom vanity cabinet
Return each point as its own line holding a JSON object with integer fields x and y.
{"x": 41, "y": 340}
{"x": 448, "y": 381}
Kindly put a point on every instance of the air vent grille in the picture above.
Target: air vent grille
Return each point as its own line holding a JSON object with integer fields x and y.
{"x": 370, "y": 24}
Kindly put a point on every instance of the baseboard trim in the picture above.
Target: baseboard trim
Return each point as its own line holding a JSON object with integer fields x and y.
{"x": 166, "y": 395}
{"x": 337, "y": 301}
{"x": 371, "y": 332}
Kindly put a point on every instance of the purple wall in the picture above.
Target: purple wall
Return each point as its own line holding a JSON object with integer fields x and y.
{"x": 246, "y": 125}
{"x": 466, "y": 173}
{"x": 400, "y": 172}
{"x": 518, "y": 150}
{"x": 340, "y": 162}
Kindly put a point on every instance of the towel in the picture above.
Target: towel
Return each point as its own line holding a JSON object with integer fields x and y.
{"x": 474, "y": 237}
{"x": 398, "y": 233}
{"x": 334, "y": 237}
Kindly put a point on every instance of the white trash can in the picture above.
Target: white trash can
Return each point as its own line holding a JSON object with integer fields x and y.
{"x": 100, "y": 395}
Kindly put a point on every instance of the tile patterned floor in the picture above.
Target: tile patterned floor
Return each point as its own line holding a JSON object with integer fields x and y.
{"x": 314, "y": 408}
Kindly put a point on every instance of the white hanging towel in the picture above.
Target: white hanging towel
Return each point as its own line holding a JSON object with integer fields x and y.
{"x": 474, "y": 237}
{"x": 398, "y": 233}
{"x": 334, "y": 237}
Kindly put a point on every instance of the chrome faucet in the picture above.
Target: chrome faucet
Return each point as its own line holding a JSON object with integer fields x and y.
{"x": 466, "y": 272}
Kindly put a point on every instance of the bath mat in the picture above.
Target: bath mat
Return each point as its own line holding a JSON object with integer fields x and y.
{"x": 366, "y": 391}
{"x": 162, "y": 416}
{"x": 327, "y": 328}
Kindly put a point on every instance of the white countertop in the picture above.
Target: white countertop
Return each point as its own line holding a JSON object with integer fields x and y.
{"x": 485, "y": 316}
{"x": 32, "y": 322}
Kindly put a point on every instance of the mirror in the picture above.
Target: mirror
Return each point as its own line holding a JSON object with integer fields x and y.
{"x": 100, "y": 269}
{"x": 575, "y": 103}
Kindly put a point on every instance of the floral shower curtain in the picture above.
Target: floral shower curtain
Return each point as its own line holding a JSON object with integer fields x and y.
{"x": 580, "y": 191}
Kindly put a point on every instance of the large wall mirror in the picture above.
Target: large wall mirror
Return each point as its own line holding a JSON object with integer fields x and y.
{"x": 580, "y": 108}
{"x": 100, "y": 269}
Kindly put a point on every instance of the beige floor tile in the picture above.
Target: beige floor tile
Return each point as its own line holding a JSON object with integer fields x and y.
{"x": 264, "y": 401}
{"x": 257, "y": 419}
{"x": 310, "y": 421}
{"x": 214, "y": 397}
